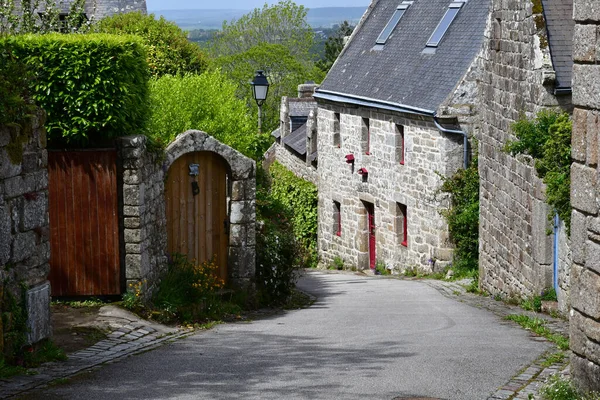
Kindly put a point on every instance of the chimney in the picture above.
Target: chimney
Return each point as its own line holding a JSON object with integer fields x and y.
{"x": 307, "y": 89}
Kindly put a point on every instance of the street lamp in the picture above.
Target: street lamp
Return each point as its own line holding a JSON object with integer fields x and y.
{"x": 260, "y": 88}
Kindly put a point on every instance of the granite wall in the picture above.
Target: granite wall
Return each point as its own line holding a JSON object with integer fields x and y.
{"x": 516, "y": 254}
{"x": 24, "y": 231}
{"x": 585, "y": 199}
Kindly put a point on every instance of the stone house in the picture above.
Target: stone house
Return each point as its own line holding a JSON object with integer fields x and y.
{"x": 394, "y": 115}
{"x": 95, "y": 9}
{"x": 295, "y": 144}
{"x": 526, "y": 67}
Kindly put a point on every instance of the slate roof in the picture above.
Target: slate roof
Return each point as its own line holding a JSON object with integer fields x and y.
{"x": 560, "y": 25}
{"x": 301, "y": 107}
{"x": 400, "y": 73}
{"x": 297, "y": 140}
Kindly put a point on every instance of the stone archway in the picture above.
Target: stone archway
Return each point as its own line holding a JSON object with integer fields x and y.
{"x": 242, "y": 200}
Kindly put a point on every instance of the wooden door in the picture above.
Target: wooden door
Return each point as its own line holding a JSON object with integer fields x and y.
{"x": 371, "y": 221}
{"x": 84, "y": 223}
{"x": 197, "y": 217}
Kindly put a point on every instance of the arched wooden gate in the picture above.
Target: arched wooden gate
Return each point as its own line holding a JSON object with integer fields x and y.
{"x": 197, "y": 208}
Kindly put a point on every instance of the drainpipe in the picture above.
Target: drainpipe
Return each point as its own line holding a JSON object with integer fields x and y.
{"x": 456, "y": 132}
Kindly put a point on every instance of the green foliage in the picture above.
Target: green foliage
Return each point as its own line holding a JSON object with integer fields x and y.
{"x": 276, "y": 39}
{"x": 532, "y": 304}
{"x": 547, "y": 139}
{"x": 13, "y": 324}
{"x": 334, "y": 46}
{"x": 168, "y": 50}
{"x": 381, "y": 269}
{"x": 558, "y": 388}
{"x": 549, "y": 295}
{"x": 284, "y": 71}
{"x": 277, "y": 250}
{"x": 189, "y": 291}
{"x": 283, "y": 23}
{"x": 554, "y": 358}
{"x": 205, "y": 102}
{"x": 338, "y": 263}
{"x": 300, "y": 198}
{"x": 16, "y": 105}
{"x": 538, "y": 326}
{"x": 463, "y": 217}
{"x": 29, "y": 20}
{"x": 92, "y": 87}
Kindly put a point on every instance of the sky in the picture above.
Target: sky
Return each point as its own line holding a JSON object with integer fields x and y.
{"x": 154, "y": 5}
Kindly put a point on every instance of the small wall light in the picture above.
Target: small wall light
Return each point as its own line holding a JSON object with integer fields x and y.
{"x": 350, "y": 158}
{"x": 363, "y": 172}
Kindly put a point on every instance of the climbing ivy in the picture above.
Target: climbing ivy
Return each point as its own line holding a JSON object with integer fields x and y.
{"x": 300, "y": 198}
{"x": 547, "y": 139}
{"x": 463, "y": 217}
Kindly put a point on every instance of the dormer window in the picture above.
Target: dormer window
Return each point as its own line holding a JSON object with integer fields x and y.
{"x": 389, "y": 28}
{"x": 442, "y": 28}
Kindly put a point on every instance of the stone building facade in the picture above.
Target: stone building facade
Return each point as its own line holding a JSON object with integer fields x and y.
{"x": 24, "y": 230}
{"x": 404, "y": 173}
{"x": 394, "y": 116}
{"x": 585, "y": 275}
{"x": 520, "y": 77}
{"x": 96, "y": 9}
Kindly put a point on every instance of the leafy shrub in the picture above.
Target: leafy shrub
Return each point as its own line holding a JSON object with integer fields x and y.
{"x": 189, "y": 290}
{"x": 277, "y": 250}
{"x": 563, "y": 389}
{"x": 206, "y": 102}
{"x": 168, "y": 50}
{"x": 547, "y": 138}
{"x": 16, "y": 105}
{"x": 92, "y": 87}
{"x": 463, "y": 217}
{"x": 300, "y": 198}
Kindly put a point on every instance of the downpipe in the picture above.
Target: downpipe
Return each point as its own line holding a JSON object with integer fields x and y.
{"x": 456, "y": 132}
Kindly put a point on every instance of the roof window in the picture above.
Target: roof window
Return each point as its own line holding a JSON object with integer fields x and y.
{"x": 442, "y": 28}
{"x": 389, "y": 28}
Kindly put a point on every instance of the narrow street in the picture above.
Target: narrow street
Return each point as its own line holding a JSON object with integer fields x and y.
{"x": 364, "y": 338}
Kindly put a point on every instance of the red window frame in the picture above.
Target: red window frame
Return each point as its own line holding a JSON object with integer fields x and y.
{"x": 367, "y": 125}
{"x": 400, "y": 133}
{"x": 404, "y": 213}
{"x": 338, "y": 212}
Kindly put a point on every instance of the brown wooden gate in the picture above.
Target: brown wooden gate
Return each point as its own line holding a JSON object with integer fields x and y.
{"x": 84, "y": 223}
{"x": 197, "y": 208}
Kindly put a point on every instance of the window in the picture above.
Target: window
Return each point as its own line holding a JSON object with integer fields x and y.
{"x": 440, "y": 30}
{"x": 337, "y": 218}
{"x": 401, "y": 224}
{"x": 336, "y": 130}
{"x": 366, "y": 136}
{"x": 389, "y": 28}
{"x": 400, "y": 144}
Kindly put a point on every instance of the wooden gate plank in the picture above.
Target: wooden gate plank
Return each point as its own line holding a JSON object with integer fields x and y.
{"x": 84, "y": 238}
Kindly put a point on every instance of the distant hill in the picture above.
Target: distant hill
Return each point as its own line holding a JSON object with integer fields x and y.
{"x": 213, "y": 19}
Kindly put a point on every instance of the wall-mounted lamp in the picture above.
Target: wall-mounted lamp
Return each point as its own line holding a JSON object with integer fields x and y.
{"x": 350, "y": 158}
{"x": 363, "y": 172}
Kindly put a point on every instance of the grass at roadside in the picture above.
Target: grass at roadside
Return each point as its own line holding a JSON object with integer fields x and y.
{"x": 538, "y": 326}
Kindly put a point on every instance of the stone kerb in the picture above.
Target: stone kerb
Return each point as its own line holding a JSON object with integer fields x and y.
{"x": 242, "y": 212}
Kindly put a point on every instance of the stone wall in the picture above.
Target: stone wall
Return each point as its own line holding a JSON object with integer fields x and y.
{"x": 144, "y": 213}
{"x": 24, "y": 231}
{"x": 143, "y": 216}
{"x": 98, "y": 9}
{"x": 388, "y": 184}
{"x": 585, "y": 275}
{"x": 298, "y": 166}
{"x": 516, "y": 254}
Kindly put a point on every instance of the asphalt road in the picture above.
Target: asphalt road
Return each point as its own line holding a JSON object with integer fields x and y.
{"x": 365, "y": 338}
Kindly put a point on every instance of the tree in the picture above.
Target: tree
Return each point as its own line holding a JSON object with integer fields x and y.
{"x": 283, "y": 70}
{"x": 334, "y": 45}
{"x": 283, "y": 23}
{"x": 276, "y": 39}
{"x": 169, "y": 51}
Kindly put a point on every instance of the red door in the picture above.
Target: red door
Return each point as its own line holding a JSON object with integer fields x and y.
{"x": 371, "y": 217}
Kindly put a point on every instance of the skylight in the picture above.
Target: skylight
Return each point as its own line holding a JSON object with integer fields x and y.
{"x": 389, "y": 28}
{"x": 444, "y": 24}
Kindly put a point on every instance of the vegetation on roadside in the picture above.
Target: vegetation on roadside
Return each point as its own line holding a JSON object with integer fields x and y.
{"x": 538, "y": 326}
{"x": 300, "y": 198}
{"x": 535, "y": 303}
{"x": 547, "y": 139}
{"x": 462, "y": 216}
{"x": 558, "y": 388}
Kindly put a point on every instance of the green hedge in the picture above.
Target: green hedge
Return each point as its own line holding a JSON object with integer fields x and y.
{"x": 92, "y": 87}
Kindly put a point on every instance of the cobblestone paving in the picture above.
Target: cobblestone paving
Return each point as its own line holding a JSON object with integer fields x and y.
{"x": 527, "y": 384}
{"x": 132, "y": 338}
